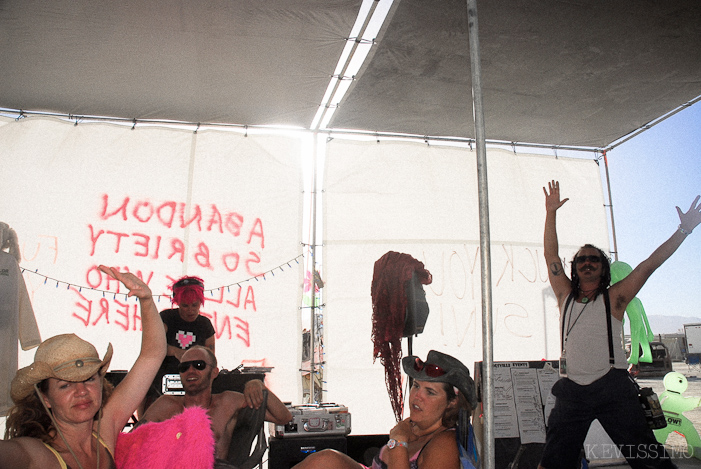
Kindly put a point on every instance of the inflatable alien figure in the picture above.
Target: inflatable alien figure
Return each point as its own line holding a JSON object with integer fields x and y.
{"x": 673, "y": 404}
{"x": 640, "y": 333}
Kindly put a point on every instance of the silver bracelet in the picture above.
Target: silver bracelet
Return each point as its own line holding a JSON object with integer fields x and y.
{"x": 683, "y": 231}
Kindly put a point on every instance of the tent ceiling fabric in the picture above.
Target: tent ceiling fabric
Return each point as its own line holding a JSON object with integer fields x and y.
{"x": 225, "y": 61}
{"x": 563, "y": 73}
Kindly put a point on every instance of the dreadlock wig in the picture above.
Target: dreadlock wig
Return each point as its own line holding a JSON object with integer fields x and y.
{"x": 389, "y": 304}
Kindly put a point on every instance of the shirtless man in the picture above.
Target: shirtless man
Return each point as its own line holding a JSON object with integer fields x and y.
{"x": 198, "y": 368}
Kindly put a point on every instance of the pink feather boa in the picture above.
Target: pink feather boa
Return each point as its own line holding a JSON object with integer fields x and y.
{"x": 185, "y": 441}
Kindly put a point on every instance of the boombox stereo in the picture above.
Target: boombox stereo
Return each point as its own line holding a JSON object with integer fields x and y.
{"x": 314, "y": 420}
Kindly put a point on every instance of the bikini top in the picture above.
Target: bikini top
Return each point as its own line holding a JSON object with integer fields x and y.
{"x": 378, "y": 463}
{"x": 63, "y": 464}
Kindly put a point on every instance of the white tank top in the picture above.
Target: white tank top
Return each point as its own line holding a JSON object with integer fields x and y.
{"x": 586, "y": 341}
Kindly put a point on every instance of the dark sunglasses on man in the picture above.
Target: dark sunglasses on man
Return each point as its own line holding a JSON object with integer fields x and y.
{"x": 583, "y": 259}
{"x": 198, "y": 364}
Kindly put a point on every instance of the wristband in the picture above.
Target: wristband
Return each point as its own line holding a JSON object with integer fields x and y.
{"x": 392, "y": 443}
{"x": 683, "y": 231}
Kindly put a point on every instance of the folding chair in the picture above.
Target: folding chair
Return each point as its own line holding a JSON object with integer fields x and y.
{"x": 248, "y": 443}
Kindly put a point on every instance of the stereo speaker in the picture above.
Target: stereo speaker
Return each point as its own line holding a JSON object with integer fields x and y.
{"x": 417, "y": 307}
{"x": 283, "y": 453}
{"x": 363, "y": 448}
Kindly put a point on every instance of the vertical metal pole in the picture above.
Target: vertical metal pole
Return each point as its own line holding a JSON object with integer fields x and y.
{"x": 485, "y": 258}
{"x": 312, "y": 331}
{"x": 613, "y": 225}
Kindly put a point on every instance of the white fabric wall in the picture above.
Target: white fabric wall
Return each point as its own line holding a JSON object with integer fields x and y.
{"x": 423, "y": 200}
{"x": 57, "y": 178}
{"x": 409, "y": 197}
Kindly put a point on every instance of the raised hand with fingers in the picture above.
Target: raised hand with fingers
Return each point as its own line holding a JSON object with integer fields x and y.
{"x": 136, "y": 286}
{"x": 552, "y": 199}
{"x": 691, "y": 218}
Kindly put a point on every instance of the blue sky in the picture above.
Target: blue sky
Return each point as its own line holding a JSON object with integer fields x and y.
{"x": 650, "y": 175}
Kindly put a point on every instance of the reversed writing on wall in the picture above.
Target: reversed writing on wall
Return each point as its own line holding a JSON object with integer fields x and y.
{"x": 519, "y": 292}
{"x": 171, "y": 215}
{"x": 123, "y": 314}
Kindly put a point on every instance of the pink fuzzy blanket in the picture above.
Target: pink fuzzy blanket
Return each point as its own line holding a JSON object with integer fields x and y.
{"x": 185, "y": 441}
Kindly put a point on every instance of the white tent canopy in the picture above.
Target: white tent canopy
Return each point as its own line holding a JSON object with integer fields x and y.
{"x": 561, "y": 73}
{"x": 554, "y": 73}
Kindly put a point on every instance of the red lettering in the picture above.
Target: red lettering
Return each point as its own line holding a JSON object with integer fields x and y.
{"x": 94, "y": 238}
{"x": 257, "y": 230}
{"x": 93, "y": 269}
{"x": 196, "y": 217}
{"x": 166, "y": 220}
{"x": 215, "y": 219}
{"x": 221, "y": 327}
{"x": 233, "y": 223}
{"x": 87, "y": 307}
{"x": 245, "y": 329}
{"x": 104, "y": 311}
{"x": 158, "y": 247}
{"x": 52, "y": 245}
{"x": 146, "y": 204}
{"x": 202, "y": 256}
{"x": 250, "y": 299}
{"x": 228, "y": 259}
{"x": 214, "y": 300}
{"x": 136, "y": 318}
{"x": 124, "y": 313}
{"x": 143, "y": 242}
{"x": 119, "y": 238}
{"x": 177, "y": 246}
{"x": 238, "y": 299}
{"x": 122, "y": 208}
{"x": 255, "y": 259}
{"x": 36, "y": 252}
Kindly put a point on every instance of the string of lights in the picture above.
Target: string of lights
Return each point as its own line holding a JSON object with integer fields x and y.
{"x": 257, "y": 278}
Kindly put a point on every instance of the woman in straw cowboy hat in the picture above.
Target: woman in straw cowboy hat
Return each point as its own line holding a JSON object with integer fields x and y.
{"x": 61, "y": 417}
{"x": 441, "y": 399}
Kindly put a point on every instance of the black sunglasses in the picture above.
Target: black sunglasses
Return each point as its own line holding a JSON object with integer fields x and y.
{"x": 198, "y": 364}
{"x": 592, "y": 259}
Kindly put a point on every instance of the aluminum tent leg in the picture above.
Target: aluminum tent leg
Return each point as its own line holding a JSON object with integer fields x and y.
{"x": 485, "y": 252}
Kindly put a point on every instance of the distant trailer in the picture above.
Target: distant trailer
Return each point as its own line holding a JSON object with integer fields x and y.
{"x": 693, "y": 338}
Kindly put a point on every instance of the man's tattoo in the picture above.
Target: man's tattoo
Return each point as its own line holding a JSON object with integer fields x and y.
{"x": 556, "y": 269}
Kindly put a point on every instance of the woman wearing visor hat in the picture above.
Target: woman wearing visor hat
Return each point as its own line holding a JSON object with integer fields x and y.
{"x": 61, "y": 417}
{"x": 442, "y": 389}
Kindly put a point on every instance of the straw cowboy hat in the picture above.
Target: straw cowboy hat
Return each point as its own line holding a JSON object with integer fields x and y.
{"x": 442, "y": 368}
{"x": 66, "y": 357}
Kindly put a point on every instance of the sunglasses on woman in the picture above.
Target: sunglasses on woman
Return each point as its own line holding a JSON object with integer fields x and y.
{"x": 432, "y": 371}
{"x": 198, "y": 364}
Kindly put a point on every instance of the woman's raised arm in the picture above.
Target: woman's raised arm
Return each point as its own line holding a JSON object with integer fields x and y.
{"x": 132, "y": 390}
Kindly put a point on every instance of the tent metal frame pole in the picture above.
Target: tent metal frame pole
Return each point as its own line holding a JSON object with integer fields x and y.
{"x": 313, "y": 328}
{"x": 485, "y": 252}
{"x": 613, "y": 224}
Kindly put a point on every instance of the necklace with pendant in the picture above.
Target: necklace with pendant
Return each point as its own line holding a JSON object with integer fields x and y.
{"x": 585, "y": 298}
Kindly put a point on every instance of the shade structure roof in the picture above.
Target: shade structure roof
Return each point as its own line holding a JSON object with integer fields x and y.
{"x": 563, "y": 73}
